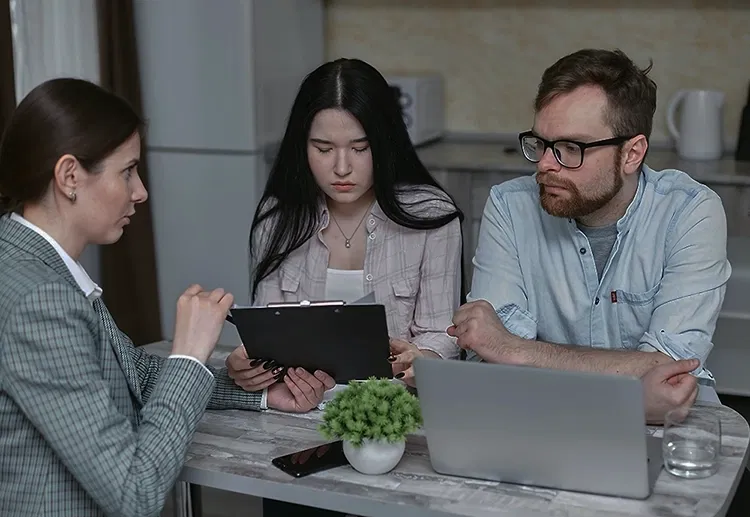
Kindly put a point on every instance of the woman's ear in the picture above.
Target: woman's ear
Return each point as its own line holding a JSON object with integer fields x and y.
{"x": 68, "y": 176}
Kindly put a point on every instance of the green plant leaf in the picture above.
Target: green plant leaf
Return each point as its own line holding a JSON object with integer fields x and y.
{"x": 376, "y": 409}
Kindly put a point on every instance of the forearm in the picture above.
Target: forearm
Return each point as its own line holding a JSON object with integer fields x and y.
{"x": 578, "y": 358}
{"x": 227, "y": 395}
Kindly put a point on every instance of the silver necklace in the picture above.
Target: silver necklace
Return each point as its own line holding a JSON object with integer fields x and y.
{"x": 348, "y": 240}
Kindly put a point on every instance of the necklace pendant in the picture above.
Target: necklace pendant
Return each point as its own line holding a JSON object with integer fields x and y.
{"x": 347, "y": 243}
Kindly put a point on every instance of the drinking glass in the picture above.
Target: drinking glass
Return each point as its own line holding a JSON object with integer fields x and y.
{"x": 692, "y": 442}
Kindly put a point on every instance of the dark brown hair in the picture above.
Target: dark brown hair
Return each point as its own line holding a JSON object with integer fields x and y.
{"x": 58, "y": 117}
{"x": 631, "y": 94}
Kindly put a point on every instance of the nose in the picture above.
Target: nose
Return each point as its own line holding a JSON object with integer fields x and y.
{"x": 343, "y": 165}
{"x": 548, "y": 163}
{"x": 140, "y": 194}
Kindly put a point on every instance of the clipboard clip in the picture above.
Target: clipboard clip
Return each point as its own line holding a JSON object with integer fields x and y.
{"x": 306, "y": 303}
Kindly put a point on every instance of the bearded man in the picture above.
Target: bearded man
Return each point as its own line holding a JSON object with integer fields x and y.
{"x": 597, "y": 262}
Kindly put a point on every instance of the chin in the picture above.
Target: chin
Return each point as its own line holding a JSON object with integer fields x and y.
{"x": 345, "y": 197}
{"x": 112, "y": 237}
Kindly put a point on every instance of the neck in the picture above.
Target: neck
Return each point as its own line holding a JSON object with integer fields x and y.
{"x": 351, "y": 210}
{"x": 615, "y": 209}
{"x": 56, "y": 227}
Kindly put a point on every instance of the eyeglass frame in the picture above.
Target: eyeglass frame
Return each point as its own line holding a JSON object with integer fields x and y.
{"x": 550, "y": 144}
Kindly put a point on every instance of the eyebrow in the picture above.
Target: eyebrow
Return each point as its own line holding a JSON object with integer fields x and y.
{"x": 328, "y": 142}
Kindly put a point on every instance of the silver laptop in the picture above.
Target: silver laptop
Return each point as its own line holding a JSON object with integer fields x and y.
{"x": 566, "y": 430}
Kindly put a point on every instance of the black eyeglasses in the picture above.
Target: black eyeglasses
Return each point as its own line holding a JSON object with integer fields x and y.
{"x": 568, "y": 153}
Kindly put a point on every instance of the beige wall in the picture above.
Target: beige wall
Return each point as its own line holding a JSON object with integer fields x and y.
{"x": 493, "y": 52}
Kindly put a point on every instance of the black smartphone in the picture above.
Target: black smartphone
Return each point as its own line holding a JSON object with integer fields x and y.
{"x": 315, "y": 459}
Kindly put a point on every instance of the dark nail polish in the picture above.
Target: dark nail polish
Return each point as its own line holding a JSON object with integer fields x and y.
{"x": 268, "y": 364}
{"x": 399, "y": 375}
{"x": 277, "y": 370}
{"x": 255, "y": 362}
{"x": 391, "y": 358}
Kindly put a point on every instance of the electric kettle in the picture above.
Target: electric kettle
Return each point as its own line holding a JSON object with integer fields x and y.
{"x": 700, "y": 132}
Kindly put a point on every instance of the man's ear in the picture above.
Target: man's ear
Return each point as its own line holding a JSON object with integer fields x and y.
{"x": 634, "y": 151}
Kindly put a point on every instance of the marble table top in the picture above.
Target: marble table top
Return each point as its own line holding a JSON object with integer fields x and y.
{"x": 232, "y": 450}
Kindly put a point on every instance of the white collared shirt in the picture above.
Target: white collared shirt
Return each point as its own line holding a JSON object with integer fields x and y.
{"x": 88, "y": 286}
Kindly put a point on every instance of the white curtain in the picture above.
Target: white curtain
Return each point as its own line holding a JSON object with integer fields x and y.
{"x": 56, "y": 38}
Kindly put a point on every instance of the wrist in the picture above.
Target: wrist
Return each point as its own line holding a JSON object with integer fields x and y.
{"x": 178, "y": 349}
{"x": 508, "y": 348}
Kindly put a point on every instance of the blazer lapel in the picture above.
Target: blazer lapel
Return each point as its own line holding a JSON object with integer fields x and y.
{"x": 31, "y": 242}
{"x": 121, "y": 348}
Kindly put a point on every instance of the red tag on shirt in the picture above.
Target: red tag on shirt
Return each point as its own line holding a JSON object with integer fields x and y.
{"x": 613, "y": 296}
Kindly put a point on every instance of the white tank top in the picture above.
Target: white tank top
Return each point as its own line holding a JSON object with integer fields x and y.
{"x": 345, "y": 284}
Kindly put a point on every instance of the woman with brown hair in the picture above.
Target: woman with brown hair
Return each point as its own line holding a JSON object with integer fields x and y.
{"x": 89, "y": 424}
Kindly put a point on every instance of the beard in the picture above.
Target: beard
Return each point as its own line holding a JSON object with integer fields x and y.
{"x": 577, "y": 204}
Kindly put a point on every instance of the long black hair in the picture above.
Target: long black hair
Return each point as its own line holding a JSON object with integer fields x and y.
{"x": 292, "y": 197}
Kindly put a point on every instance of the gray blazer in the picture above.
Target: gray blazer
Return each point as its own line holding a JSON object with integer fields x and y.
{"x": 89, "y": 424}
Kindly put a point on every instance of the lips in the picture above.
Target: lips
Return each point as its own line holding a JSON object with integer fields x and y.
{"x": 343, "y": 187}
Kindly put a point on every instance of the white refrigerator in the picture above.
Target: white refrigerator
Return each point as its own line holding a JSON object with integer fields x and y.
{"x": 218, "y": 80}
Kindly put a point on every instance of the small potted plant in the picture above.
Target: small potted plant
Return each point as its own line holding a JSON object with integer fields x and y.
{"x": 372, "y": 418}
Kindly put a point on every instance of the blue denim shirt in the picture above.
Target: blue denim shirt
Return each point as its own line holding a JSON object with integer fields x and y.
{"x": 662, "y": 287}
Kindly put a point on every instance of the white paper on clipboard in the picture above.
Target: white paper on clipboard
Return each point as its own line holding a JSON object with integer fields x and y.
{"x": 365, "y": 300}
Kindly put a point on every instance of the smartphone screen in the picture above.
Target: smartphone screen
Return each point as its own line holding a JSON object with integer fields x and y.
{"x": 315, "y": 459}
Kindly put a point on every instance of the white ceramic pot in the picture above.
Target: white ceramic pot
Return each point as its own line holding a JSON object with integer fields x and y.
{"x": 374, "y": 457}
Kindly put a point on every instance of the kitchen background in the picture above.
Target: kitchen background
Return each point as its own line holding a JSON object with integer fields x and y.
{"x": 218, "y": 78}
{"x": 491, "y": 53}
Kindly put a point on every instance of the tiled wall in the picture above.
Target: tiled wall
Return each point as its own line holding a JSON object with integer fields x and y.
{"x": 493, "y": 52}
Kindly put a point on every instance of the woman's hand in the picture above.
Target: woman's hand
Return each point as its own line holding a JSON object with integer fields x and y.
{"x": 300, "y": 392}
{"x": 252, "y": 374}
{"x": 402, "y": 356}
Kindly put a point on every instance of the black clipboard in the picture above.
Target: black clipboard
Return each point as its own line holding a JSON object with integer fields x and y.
{"x": 349, "y": 342}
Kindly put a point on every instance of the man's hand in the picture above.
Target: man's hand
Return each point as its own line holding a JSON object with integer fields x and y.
{"x": 300, "y": 392}
{"x": 669, "y": 386}
{"x": 477, "y": 327}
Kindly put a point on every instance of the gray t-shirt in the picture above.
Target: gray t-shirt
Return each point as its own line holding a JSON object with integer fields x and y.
{"x": 601, "y": 238}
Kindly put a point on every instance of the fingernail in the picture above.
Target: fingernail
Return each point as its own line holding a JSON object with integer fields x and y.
{"x": 277, "y": 370}
{"x": 391, "y": 358}
{"x": 268, "y": 364}
{"x": 399, "y": 375}
{"x": 255, "y": 362}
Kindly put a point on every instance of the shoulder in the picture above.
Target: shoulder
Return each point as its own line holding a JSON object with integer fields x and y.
{"x": 676, "y": 191}
{"x": 514, "y": 195}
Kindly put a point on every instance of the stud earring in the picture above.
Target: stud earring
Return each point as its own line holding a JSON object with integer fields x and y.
{"x": 72, "y": 196}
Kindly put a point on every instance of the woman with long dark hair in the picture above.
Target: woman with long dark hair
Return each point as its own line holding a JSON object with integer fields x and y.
{"x": 349, "y": 209}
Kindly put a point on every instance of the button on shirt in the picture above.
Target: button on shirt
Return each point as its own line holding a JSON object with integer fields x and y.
{"x": 661, "y": 288}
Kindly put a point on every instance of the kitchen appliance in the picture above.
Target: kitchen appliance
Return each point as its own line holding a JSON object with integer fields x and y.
{"x": 422, "y": 100}
{"x": 700, "y": 134}
{"x": 218, "y": 82}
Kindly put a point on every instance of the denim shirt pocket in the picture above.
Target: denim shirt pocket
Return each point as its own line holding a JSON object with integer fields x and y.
{"x": 634, "y": 312}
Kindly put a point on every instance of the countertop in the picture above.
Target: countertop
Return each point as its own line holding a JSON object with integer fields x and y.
{"x": 231, "y": 450}
{"x": 488, "y": 157}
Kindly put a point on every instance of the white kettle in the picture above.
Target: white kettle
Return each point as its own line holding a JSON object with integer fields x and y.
{"x": 701, "y": 123}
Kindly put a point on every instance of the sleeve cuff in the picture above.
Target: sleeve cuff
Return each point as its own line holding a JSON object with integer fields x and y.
{"x": 264, "y": 400}
{"x": 679, "y": 347}
{"x": 190, "y": 357}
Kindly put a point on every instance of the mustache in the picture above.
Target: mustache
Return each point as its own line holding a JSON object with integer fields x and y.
{"x": 545, "y": 180}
